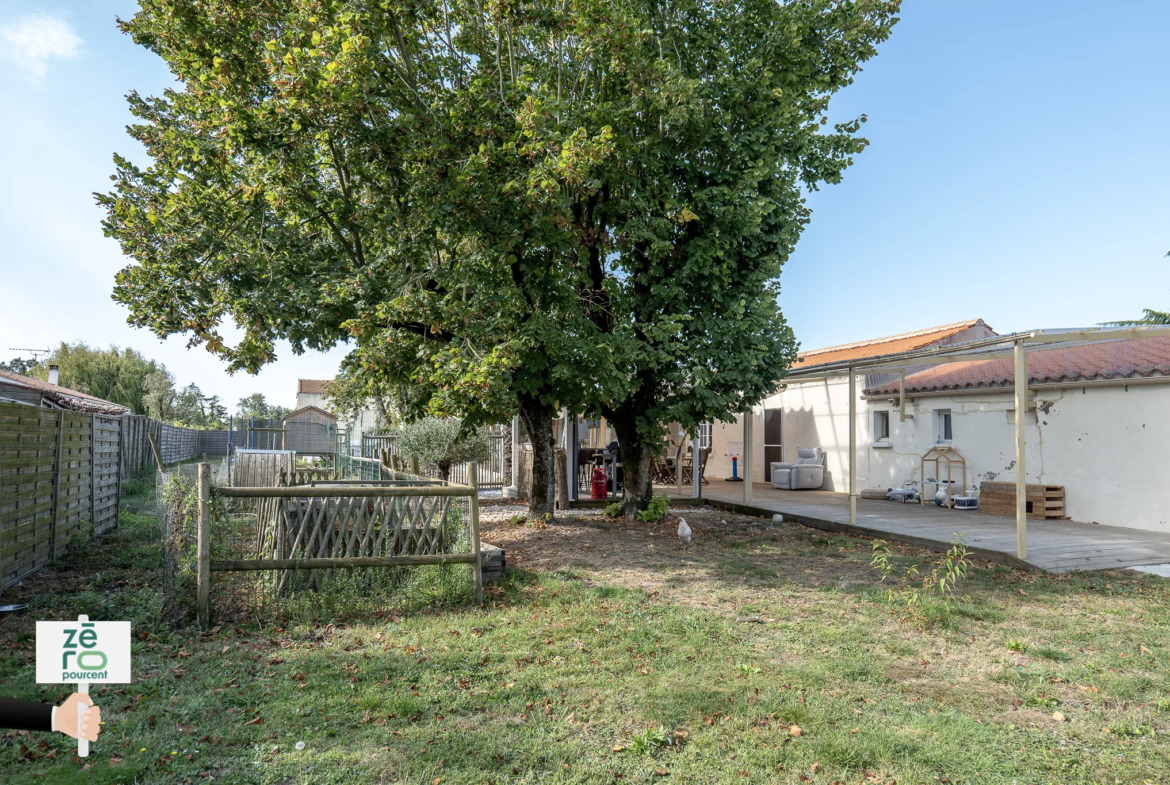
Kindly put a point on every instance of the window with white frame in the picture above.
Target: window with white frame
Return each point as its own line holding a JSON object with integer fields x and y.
{"x": 942, "y": 426}
{"x": 705, "y": 436}
{"x": 881, "y": 426}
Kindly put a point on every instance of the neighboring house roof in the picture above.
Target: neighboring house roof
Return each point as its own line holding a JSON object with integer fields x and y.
{"x": 310, "y": 410}
{"x": 60, "y": 397}
{"x": 312, "y": 386}
{"x": 1127, "y": 359}
{"x": 877, "y": 347}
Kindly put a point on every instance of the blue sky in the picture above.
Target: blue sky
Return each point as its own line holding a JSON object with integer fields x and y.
{"x": 1018, "y": 172}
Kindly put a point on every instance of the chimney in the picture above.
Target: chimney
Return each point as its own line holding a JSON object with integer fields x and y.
{"x": 52, "y": 374}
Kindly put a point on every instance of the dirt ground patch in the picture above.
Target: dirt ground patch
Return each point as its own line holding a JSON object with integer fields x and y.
{"x": 732, "y": 559}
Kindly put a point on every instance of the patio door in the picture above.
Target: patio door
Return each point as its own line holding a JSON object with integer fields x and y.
{"x": 773, "y": 440}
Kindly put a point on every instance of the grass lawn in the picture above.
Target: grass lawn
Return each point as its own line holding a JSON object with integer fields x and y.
{"x": 765, "y": 653}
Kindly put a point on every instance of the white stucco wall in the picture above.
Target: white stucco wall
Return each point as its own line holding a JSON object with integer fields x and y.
{"x": 310, "y": 399}
{"x": 719, "y": 463}
{"x": 1107, "y": 445}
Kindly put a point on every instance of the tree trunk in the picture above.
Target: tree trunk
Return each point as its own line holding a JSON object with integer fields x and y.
{"x": 537, "y": 419}
{"x": 636, "y": 459}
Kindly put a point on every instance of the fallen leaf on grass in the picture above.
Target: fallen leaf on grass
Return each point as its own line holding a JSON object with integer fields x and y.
{"x": 795, "y": 730}
{"x": 619, "y": 748}
{"x": 661, "y": 772}
{"x": 256, "y": 721}
{"x": 1056, "y": 715}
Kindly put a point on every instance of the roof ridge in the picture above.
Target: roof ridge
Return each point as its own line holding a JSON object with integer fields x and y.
{"x": 890, "y": 338}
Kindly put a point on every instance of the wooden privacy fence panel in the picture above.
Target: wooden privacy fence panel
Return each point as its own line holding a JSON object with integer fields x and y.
{"x": 74, "y": 473}
{"x": 178, "y": 444}
{"x": 216, "y": 442}
{"x": 28, "y": 450}
{"x": 106, "y": 485}
{"x": 59, "y": 483}
{"x": 174, "y": 443}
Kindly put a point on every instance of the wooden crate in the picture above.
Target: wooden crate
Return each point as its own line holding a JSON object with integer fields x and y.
{"x": 1043, "y": 501}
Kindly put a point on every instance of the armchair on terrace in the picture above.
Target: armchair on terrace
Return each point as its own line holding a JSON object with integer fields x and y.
{"x": 808, "y": 471}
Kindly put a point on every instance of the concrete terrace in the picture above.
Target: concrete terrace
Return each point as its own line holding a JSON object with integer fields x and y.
{"x": 1054, "y": 546}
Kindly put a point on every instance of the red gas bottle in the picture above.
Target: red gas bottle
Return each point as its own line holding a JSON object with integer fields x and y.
{"x": 599, "y": 488}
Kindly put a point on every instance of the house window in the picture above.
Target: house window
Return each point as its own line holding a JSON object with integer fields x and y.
{"x": 942, "y": 426}
{"x": 705, "y": 436}
{"x": 881, "y": 426}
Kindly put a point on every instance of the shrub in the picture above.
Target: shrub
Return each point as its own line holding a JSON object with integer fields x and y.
{"x": 442, "y": 443}
{"x": 932, "y": 597}
{"x": 613, "y": 510}
{"x": 655, "y": 511}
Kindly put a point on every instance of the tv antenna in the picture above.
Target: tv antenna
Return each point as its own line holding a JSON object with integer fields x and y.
{"x": 33, "y": 352}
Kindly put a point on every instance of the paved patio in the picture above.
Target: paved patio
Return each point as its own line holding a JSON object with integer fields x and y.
{"x": 1055, "y": 546}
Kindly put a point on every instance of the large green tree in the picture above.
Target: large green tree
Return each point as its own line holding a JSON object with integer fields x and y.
{"x": 113, "y": 374}
{"x": 505, "y": 206}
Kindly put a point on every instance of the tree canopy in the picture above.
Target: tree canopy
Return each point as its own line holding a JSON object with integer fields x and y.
{"x": 503, "y": 206}
{"x": 255, "y": 405}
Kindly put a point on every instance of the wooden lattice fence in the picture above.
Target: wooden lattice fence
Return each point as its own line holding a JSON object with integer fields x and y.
{"x": 59, "y": 484}
{"x": 404, "y": 521}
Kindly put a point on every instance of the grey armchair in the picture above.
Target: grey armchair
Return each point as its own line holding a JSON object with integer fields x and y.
{"x": 808, "y": 471}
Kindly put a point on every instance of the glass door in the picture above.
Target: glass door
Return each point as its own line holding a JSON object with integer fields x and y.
{"x": 773, "y": 440}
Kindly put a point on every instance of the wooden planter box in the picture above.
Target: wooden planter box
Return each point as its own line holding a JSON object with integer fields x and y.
{"x": 1043, "y": 501}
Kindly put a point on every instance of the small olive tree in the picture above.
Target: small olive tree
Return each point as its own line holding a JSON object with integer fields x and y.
{"x": 441, "y": 442}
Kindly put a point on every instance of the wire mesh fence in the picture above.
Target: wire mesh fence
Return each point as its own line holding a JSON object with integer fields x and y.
{"x": 397, "y": 543}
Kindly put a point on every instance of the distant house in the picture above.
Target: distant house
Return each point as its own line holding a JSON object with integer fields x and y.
{"x": 1097, "y": 424}
{"x": 311, "y": 392}
{"x": 15, "y": 388}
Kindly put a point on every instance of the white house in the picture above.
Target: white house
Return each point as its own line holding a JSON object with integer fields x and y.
{"x": 1097, "y": 423}
{"x": 311, "y": 392}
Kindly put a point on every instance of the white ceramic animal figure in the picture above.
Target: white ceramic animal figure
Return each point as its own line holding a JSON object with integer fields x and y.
{"x": 684, "y": 532}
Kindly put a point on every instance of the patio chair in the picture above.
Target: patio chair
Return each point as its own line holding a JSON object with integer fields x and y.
{"x": 807, "y": 473}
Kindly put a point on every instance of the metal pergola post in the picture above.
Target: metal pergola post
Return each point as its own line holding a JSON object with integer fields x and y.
{"x": 748, "y": 456}
{"x": 852, "y": 446}
{"x": 1021, "y": 383}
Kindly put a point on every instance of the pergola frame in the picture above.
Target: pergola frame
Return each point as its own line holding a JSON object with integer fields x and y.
{"x": 1014, "y": 346}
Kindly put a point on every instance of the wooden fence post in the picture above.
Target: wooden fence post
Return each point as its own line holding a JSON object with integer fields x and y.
{"x": 157, "y": 455}
{"x": 414, "y": 465}
{"x": 203, "y": 543}
{"x": 473, "y": 481}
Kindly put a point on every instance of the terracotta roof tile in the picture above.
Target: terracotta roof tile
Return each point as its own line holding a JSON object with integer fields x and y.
{"x": 1109, "y": 360}
{"x": 878, "y": 346}
{"x": 312, "y": 386}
